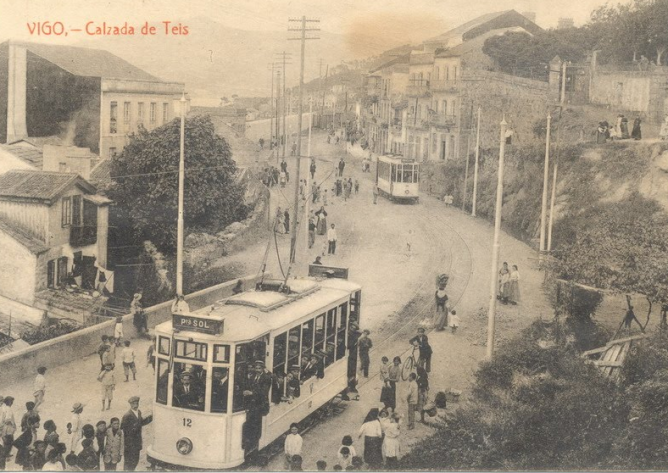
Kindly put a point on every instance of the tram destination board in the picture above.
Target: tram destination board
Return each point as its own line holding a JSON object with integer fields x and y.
{"x": 197, "y": 324}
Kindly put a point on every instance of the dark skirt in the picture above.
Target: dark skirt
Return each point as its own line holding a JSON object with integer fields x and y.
{"x": 373, "y": 451}
{"x": 387, "y": 396}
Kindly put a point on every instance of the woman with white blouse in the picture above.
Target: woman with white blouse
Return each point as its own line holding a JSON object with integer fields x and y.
{"x": 372, "y": 432}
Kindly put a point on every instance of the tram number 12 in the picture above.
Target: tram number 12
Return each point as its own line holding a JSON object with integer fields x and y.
{"x": 187, "y": 422}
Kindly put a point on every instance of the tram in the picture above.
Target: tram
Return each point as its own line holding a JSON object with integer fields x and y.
{"x": 398, "y": 178}
{"x": 232, "y": 377}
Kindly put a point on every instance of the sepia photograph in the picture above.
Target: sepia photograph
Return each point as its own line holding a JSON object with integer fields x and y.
{"x": 297, "y": 235}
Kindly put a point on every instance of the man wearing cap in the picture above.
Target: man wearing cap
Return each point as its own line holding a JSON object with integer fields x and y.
{"x": 256, "y": 399}
{"x": 131, "y": 425}
{"x": 353, "y": 337}
{"x": 187, "y": 394}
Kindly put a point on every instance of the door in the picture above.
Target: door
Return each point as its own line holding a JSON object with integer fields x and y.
{"x": 51, "y": 274}
{"x": 62, "y": 271}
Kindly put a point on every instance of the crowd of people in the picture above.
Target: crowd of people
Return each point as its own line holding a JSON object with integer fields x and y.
{"x": 619, "y": 130}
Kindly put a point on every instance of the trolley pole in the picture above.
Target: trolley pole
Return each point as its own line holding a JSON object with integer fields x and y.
{"x": 466, "y": 172}
{"x": 307, "y": 183}
{"x": 546, "y": 172}
{"x": 303, "y": 38}
{"x": 491, "y": 314}
{"x": 182, "y": 175}
{"x": 475, "y": 168}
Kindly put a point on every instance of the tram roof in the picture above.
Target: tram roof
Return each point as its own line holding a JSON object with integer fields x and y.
{"x": 398, "y": 159}
{"x": 250, "y": 314}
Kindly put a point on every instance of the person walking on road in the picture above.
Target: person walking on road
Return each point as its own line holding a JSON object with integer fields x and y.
{"x": 131, "y": 425}
{"x": 372, "y": 432}
{"x": 441, "y": 319}
{"x": 391, "y": 443}
{"x": 312, "y": 168}
{"x": 364, "y": 345}
{"x": 311, "y": 232}
{"x": 422, "y": 381}
{"x": 286, "y": 221}
{"x": 108, "y": 381}
{"x": 421, "y": 341}
{"x": 514, "y": 286}
{"x": 322, "y": 220}
{"x": 342, "y": 165}
{"x": 331, "y": 240}
{"x": 375, "y": 194}
{"x": 504, "y": 279}
{"x": 74, "y": 426}
{"x": 128, "y": 355}
{"x": 357, "y": 186}
{"x": 39, "y": 387}
{"x": 394, "y": 373}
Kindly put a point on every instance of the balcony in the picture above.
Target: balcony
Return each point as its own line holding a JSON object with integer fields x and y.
{"x": 419, "y": 124}
{"x": 443, "y": 121}
{"x": 418, "y": 89}
{"x": 444, "y": 85}
{"x": 82, "y": 235}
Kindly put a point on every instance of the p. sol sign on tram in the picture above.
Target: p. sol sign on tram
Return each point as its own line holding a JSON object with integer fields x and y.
{"x": 197, "y": 324}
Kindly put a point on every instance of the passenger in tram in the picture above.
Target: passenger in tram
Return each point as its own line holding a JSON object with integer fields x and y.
{"x": 188, "y": 394}
{"x": 294, "y": 389}
{"x": 278, "y": 380}
{"x": 310, "y": 369}
{"x": 219, "y": 387}
{"x": 258, "y": 387}
{"x": 199, "y": 377}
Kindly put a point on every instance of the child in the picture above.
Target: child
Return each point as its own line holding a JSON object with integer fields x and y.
{"x": 345, "y": 458}
{"x": 292, "y": 447}
{"x": 454, "y": 321}
{"x": 324, "y": 198}
{"x": 347, "y": 441}
{"x": 357, "y": 186}
{"x": 321, "y": 465}
{"x": 338, "y": 468}
{"x": 128, "y": 355}
{"x": 108, "y": 385}
{"x": 118, "y": 330}
{"x": 88, "y": 459}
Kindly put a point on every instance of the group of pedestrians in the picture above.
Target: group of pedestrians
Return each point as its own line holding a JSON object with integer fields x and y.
{"x": 82, "y": 447}
{"x": 509, "y": 284}
{"x": 282, "y": 221}
{"x": 619, "y": 130}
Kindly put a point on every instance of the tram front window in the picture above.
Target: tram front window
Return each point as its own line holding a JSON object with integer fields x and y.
{"x": 244, "y": 370}
{"x": 220, "y": 384}
{"x": 163, "y": 381}
{"x": 189, "y": 386}
{"x": 407, "y": 175}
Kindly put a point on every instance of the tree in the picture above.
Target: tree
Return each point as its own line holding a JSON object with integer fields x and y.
{"x": 145, "y": 183}
{"x": 656, "y": 16}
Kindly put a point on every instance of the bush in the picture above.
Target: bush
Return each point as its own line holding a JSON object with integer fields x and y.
{"x": 53, "y": 330}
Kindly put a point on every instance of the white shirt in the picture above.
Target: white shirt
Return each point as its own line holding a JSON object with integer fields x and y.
{"x": 331, "y": 234}
{"x": 40, "y": 383}
{"x": 128, "y": 355}
{"x": 293, "y": 444}
{"x": 371, "y": 429}
{"x": 48, "y": 466}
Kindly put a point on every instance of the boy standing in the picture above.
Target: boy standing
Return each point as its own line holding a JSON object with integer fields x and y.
{"x": 108, "y": 385}
{"x": 128, "y": 355}
{"x": 293, "y": 445}
{"x": 39, "y": 387}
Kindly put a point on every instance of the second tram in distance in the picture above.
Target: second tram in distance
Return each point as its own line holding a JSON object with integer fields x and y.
{"x": 232, "y": 377}
{"x": 398, "y": 178}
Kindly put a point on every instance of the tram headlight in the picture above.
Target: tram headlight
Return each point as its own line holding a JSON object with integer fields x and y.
{"x": 407, "y": 192}
{"x": 184, "y": 446}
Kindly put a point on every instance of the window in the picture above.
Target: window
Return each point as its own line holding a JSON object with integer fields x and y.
{"x": 163, "y": 381}
{"x": 341, "y": 331}
{"x": 393, "y": 172}
{"x": 76, "y": 210}
{"x": 280, "y": 344}
{"x": 66, "y": 215}
{"x": 319, "y": 344}
{"x": 330, "y": 346}
{"x": 447, "y": 72}
{"x": 140, "y": 112}
{"x": 294, "y": 340}
{"x": 240, "y": 377}
{"x": 127, "y": 112}
{"x": 113, "y": 117}
{"x": 163, "y": 346}
{"x": 221, "y": 353}
{"x": 62, "y": 167}
{"x": 445, "y": 108}
{"x": 220, "y": 386}
{"x": 407, "y": 174}
{"x": 307, "y": 338}
{"x": 191, "y": 350}
{"x": 152, "y": 112}
{"x": 355, "y": 302}
{"x": 165, "y": 112}
{"x": 189, "y": 388}
{"x": 62, "y": 271}
{"x": 454, "y": 73}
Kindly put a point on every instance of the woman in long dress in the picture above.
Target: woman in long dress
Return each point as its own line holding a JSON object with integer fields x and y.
{"x": 514, "y": 286}
{"x": 322, "y": 220}
{"x": 636, "y": 133}
{"x": 372, "y": 432}
{"x": 504, "y": 279}
{"x": 393, "y": 376}
{"x": 391, "y": 444}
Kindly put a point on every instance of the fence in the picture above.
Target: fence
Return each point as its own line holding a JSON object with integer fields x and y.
{"x": 84, "y": 342}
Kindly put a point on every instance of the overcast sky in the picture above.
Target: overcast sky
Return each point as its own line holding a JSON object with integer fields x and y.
{"x": 398, "y": 21}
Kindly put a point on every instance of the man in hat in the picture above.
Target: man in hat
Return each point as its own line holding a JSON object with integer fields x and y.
{"x": 131, "y": 425}
{"x": 256, "y": 399}
{"x": 364, "y": 345}
{"x": 421, "y": 341}
{"x": 138, "y": 315}
{"x": 187, "y": 394}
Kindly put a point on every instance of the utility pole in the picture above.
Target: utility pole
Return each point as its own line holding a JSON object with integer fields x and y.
{"x": 546, "y": 172}
{"x": 554, "y": 190}
{"x": 303, "y": 38}
{"x": 271, "y": 115}
{"x": 182, "y": 175}
{"x": 491, "y": 314}
{"x": 324, "y": 88}
{"x": 284, "y": 106}
{"x": 563, "y": 83}
{"x": 475, "y": 168}
{"x": 468, "y": 153}
{"x": 307, "y": 184}
{"x": 278, "y": 119}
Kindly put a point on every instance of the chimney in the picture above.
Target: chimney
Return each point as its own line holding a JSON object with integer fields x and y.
{"x": 16, "y": 93}
{"x": 68, "y": 159}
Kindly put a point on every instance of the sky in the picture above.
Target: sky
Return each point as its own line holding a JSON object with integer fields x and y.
{"x": 396, "y": 21}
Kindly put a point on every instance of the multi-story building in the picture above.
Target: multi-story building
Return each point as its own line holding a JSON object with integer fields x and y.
{"x": 102, "y": 97}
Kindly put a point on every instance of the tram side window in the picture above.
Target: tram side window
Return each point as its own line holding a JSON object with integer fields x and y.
{"x": 330, "y": 347}
{"x": 189, "y": 386}
{"x": 319, "y": 344}
{"x": 163, "y": 382}
{"x": 220, "y": 386}
{"x": 394, "y": 173}
{"x": 240, "y": 377}
{"x": 355, "y": 301}
{"x": 163, "y": 346}
{"x": 191, "y": 350}
{"x": 294, "y": 339}
{"x": 279, "y": 369}
{"x": 384, "y": 170}
{"x": 416, "y": 173}
{"x": 341, "y": 331}
{"x": 307, "y": 339}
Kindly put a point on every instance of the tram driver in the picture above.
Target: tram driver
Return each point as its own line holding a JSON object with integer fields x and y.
{"x": 219, "y": 387}
{"x": 188, "y": 394}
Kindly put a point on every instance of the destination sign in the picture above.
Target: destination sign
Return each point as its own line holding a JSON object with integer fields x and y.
{"x": 197, "y": 324}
